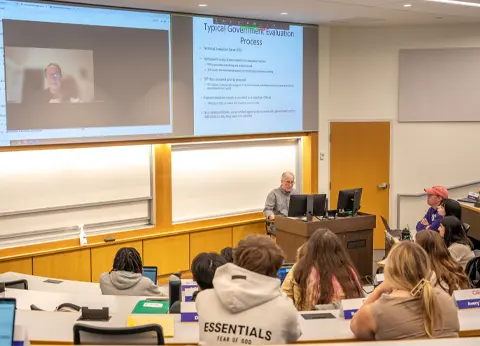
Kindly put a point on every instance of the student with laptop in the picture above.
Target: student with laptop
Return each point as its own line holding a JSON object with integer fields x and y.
{"x": 126, "y": 277}
{"x": 449, "y": 275}
{"x": 246, "y": 305}
{"x": 289, "y": 285}
{"x": 458, "y": 244}
{"x": 405, "y": 305}
{"x": 431, "y": 220}
{"x": 324, "y": 275}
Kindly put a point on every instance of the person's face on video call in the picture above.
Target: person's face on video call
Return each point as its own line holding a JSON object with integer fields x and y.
{"x": 287, "y": 183}
{"x": 54, "y": 78}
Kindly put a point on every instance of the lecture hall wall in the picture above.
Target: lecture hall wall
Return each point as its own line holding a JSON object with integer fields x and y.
{"x": 363, "y": 69}
{"x": 170, "y": 247}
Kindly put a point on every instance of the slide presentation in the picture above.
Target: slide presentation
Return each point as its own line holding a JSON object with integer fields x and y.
{"x": 75, "y": 73}
{"x": 78, "y": 73}
{"x": 247, "y": 78}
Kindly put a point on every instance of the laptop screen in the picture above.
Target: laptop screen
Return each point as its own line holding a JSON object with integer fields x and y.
{"x": 151, "y": 273}
{"x": 7, "y": 321}
{"x": 283, "y": 271}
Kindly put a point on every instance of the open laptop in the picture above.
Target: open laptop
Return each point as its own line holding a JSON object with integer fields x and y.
{"x": 283, "y": 271}
{"x": 151, "y": 273}
{"x": 7, "y": 321}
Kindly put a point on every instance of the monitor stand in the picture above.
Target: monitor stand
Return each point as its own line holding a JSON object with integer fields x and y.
{"x": 309, "y": 208}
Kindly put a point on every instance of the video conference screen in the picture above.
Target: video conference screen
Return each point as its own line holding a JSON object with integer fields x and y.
{"x": 75, "y": 73}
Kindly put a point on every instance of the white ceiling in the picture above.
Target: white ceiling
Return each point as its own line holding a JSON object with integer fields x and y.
{"x": 336, "y": 12}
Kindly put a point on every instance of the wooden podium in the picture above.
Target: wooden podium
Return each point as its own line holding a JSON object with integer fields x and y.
{"x": 356, "y": 233}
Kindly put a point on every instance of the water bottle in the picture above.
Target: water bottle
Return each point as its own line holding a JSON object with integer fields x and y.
{"x": 82, "y": 235}
{"x": 405, "y": 234}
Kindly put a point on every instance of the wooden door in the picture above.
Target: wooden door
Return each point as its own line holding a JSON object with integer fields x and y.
{"x": 360, "y": 157}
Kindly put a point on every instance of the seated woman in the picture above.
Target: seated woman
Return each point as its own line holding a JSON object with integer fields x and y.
{"x": 450, "y": 207}
{"x": 325, "y": 274}
{"x": 125, "y": 278}
{"x": 449, "y": 275}
{"x": 459, "y": 246}
{"x": 289, "y": 286}
{"x": 405, "y": 305}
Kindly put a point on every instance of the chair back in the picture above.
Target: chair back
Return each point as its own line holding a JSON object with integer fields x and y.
{"x": 149, "y": 334}
{"x": 17, "y": 284}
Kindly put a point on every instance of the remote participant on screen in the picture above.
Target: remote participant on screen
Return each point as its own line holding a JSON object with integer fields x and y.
{"x": 56, "y": 91}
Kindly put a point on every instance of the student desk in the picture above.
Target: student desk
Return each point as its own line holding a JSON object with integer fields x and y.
{"x": 50, "y": 300}
{"x": 37, "y": 283}
{"x": 56, "y": 327}
{"x": 471, "y": 215}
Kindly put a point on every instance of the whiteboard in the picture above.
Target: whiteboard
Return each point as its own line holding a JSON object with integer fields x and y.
{"x": 228, "y": 178}
{"x": 52, "y": 178}
{"x": 439, "y": 85}
{"x": 36, "y": 186}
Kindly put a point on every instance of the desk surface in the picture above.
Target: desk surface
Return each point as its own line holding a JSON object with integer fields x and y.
{"x": 56, "y": 327}
{"x": 470, "y": 206}
{"x": 37, "y": 283}
{"x": 48, "y": 301}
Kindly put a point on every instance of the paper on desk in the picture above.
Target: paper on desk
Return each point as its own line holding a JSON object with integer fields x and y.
{"x": 165, "y": 321}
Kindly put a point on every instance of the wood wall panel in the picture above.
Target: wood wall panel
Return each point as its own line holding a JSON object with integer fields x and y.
{"x": 23, "y": 266}
{"x": 210, "y": 241}
{"x": 73, "y": 265}
{"x": 310, "y": 163}
{"x": 103, "y": 256}
{"x": 240, "y": 232}
{"x": 162, "y": 164}
{"x": 169, "y": 254}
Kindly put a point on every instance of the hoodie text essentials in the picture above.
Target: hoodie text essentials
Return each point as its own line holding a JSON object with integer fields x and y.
{"x": 123, "y": 283}
{"x": 245, "y": 308}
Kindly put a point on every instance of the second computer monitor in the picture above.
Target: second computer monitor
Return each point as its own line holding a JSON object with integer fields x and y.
{"x": 299, "y": 205}
{"x": 349, "y": 200}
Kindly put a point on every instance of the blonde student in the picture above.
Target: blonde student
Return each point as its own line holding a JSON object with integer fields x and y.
{"x": 449, "y": 275}
{"x": 289, "y": 286}
{"x": 406, "y": 305}
{"x": 324, "y": 275}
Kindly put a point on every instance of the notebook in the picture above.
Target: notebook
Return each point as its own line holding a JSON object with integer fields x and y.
{"x": 165, "y": 321}
{"x": 151, "y": 307}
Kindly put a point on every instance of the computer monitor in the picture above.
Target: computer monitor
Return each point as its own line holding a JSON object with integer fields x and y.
{"x": 7, "y": 320}
{"x": 349, "y": 200}
{"x": 283, "y": 272}
{"x": 307, "y": 205}
{"x": 151, "y": 273}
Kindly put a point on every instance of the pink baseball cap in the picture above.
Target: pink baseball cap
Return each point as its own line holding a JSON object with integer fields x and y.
{"x": 437, "y": 190}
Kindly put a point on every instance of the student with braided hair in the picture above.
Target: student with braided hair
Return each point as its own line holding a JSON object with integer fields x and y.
{"x": 125, "y": 278}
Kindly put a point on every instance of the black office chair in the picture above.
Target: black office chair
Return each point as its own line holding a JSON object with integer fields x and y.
{"x": 118, "y": 336}
{"x": 175, "y": 294}
{"x": 17, "y": 284}
{"x": 65, "y": 307}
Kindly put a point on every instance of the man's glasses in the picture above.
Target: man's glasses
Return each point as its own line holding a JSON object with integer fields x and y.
{"x": 54, "y": 75}
{"x": 289, "y": 182}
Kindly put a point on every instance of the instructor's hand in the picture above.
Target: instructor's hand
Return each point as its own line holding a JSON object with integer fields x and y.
{"x": 271, "y": 217}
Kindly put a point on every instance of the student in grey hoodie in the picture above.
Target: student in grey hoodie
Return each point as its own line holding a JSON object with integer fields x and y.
{"x": 246, "y": 305}
{"x": 125, "y": 278}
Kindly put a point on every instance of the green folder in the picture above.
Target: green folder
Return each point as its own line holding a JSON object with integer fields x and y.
{"x": 151, "y": 307}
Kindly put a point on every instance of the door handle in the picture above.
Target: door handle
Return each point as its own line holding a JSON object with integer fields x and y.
{"x": 383, "y": 186}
